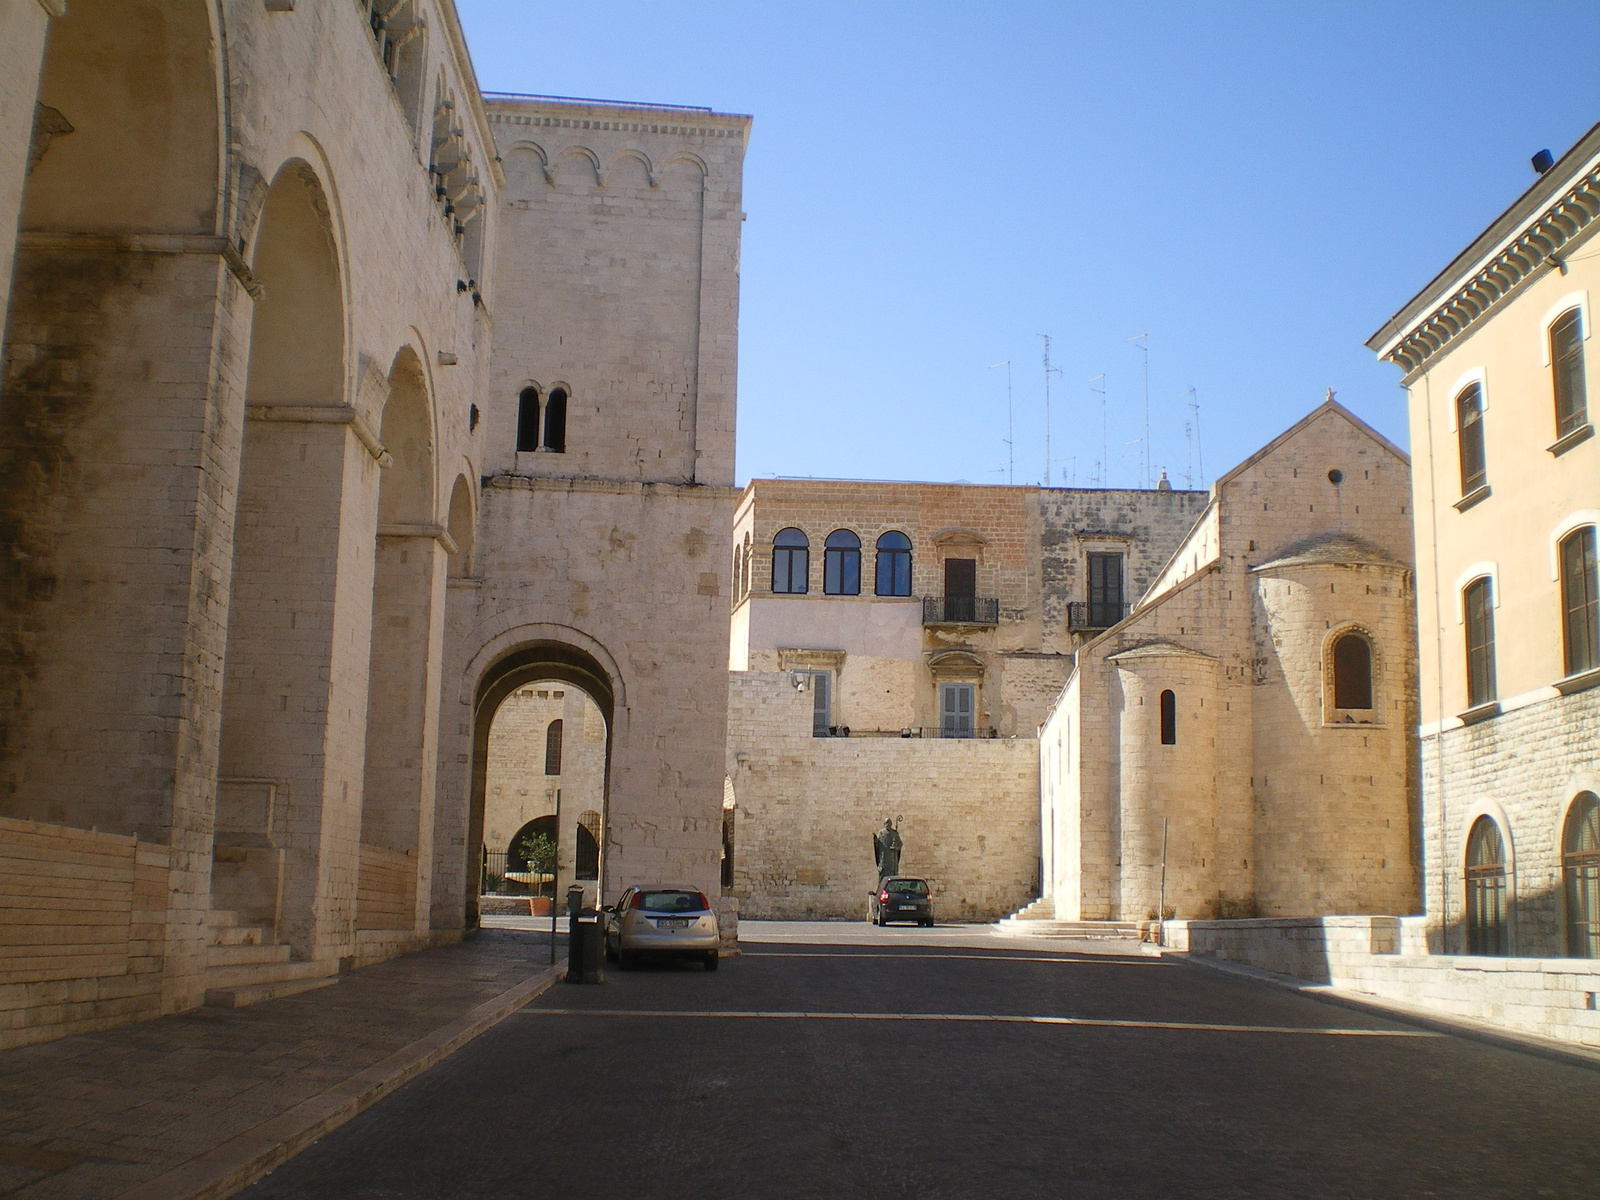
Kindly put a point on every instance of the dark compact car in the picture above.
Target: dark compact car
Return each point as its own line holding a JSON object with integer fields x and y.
{"x": 900, "y": 898}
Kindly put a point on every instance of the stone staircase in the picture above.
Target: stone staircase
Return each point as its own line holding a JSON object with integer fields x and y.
{"x": 243, "y": 967}
{"x": 1039, "y": 920}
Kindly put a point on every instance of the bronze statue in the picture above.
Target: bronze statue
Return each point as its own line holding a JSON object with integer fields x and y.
{"x": 886, "y": 847}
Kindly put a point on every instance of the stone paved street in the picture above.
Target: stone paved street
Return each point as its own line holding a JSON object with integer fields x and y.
{"x": 825, "y": 1063}
{"x": 94, "y": 1116}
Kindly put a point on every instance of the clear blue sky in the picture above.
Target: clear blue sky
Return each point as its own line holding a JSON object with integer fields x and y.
{"x": 930, "y": 186}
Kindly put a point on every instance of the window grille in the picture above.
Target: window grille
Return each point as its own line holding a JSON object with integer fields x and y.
{"x": 1566, "y": 366}
{"x": 1486, "y": 889}
{"x": 1580, "y": 863}
{"x": 1469, "y": 439}
{"x": 1580, "y": 610}
{"x": 1479, "y": 604}
{"x": 791, "y": 562}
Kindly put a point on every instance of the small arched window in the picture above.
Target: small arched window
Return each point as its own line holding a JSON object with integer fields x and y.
{"x": 841, "y": 564}
{"x": 738, "y": 573}
{"x": 555, "y": 422}
{"x": 791, "y": 562}
{"x": 749, "y": 581}
{"x": 894, "y": 565}
{"x": 1566, "y": 367}
{"x": 1486, "y": 889}
{"x": 1469, "y": 439}
{"x": 1352, "y": 672}
{"x": 552, "y": 748}
{"x": 1580, "y": 603}
{"x": 1478, "y": 605}
{"x": 528, "y": 419}
{"x": 1169, "y": 718}
{"x": 1580, "y": 867}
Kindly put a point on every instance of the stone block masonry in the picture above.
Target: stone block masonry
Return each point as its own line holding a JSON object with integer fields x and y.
{"x": 806, "y": 809}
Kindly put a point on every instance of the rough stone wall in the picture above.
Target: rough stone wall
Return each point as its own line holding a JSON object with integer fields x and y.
{"x": 806, "y": 809}
{"x": 21, "y": 55}
{"x": 1523, "y": 769}
{"x": 1283, "y": 806}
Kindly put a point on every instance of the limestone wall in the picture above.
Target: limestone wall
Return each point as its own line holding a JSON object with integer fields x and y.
{"x": 806, "y": 809}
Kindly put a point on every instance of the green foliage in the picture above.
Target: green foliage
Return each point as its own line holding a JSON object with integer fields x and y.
{"x": 538, "y": 850}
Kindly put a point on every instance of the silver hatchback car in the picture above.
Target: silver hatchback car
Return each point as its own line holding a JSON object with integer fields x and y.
{"x": 661, "y": 921}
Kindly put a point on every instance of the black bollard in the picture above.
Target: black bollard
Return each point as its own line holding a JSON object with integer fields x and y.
{"x": 583, "y": 940}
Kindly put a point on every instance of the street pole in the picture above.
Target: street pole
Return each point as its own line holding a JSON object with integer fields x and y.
{"x": 1161, "y": 912}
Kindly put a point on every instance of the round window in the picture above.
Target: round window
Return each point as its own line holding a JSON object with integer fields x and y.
{"x": 1336, "y": 476}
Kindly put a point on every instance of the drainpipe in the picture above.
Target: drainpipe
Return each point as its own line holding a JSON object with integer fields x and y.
{"x": 1438, "y": 673}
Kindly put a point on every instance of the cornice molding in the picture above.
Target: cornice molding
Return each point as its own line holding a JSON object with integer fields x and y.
{"x": 1565, "y": 219}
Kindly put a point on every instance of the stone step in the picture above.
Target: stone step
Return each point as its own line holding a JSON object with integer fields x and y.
{"x": 1042, "y": 909}
{"x": 245, "y": 954}
{"x": 242, "y": 975}
{"x": 243, "y": 995}
{"x": 1012, "y": 927}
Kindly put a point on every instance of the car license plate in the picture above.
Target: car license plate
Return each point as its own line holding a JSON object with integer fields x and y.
{"x": 903, "y": 907}
{"x": 673, "y": 924}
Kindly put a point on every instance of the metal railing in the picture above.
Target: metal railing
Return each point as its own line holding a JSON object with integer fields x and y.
{"x": 960, "y": 610}
{"x": 1087, "y": 614}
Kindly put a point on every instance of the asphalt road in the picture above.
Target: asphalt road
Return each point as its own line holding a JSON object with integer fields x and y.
{"x": 827, "y": 1070}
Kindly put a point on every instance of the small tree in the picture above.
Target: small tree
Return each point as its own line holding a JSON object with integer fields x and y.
{"x": 538, "y": 850}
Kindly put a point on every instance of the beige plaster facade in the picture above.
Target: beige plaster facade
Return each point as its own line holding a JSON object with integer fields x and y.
{"x": 1522, "y": 751}
{"x": 259, "y": 477}
{"x": 1198, "y": 760}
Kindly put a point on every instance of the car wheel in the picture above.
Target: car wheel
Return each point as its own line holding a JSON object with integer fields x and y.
{"x": 711, "y": 959}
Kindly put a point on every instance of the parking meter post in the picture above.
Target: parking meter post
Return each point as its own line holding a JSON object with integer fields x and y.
{"x": 575, "y": 945}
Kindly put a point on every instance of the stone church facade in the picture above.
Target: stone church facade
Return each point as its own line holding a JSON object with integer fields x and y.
{"x": 283, "y": 292}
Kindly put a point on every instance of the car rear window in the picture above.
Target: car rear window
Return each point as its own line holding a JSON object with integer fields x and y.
{"x": 916, "y": 887}
{"x": 671, "y": 900}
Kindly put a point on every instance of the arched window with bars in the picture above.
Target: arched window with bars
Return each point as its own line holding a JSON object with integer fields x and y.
{"x": 1580, "y": 870}
{"x": 1486, "y": 889}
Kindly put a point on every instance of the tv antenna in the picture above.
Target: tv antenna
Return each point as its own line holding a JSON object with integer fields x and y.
{"x": 1104, "y": 465}
{"x": 1196, "y": 451}
{"x": 1010, "y": 446}
{"x": 1143, "y": 342}
{"x": 1048, "y": 371}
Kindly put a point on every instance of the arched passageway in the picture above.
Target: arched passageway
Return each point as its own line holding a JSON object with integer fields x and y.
{"x": 294, "y": 702}
{"x": 107, "y": 423}
{"x": 541, "y": 752}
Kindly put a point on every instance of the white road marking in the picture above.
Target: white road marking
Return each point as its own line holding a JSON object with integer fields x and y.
{"x": 980, "y": 1018}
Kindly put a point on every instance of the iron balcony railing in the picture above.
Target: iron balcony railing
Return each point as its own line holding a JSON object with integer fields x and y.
{"x": 960, "y": 610}
{"x": 1093, "y": 614}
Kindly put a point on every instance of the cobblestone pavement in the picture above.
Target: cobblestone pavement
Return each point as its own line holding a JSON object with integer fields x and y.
{"x": 958, "y": 1064}
{"x": 99, "y": 1115}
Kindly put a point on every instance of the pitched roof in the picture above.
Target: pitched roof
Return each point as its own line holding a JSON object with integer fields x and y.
{"x": 1316, "y": 414}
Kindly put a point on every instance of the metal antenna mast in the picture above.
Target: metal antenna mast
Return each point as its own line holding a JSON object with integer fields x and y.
{"x": 1143, "y": 340}
{"x": 1105, "y": 466}
{"x": 1011, "y": 475}
{"x": 1048, "y": 370}
{"x": 1199, "y": 447}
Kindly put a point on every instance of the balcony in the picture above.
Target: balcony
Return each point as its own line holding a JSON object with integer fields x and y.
{"x": 1084, "y": 615}
{"x": 960, "y": 610}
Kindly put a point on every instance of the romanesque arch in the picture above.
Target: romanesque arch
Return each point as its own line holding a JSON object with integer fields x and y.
{"x": 294, "y": 706}
{"x": 410, "y": 561}
{"x": 534, "y": 661}
{"x": 106, "y": 424}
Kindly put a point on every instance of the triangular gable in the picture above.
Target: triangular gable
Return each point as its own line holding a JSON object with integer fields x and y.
{"x": 1325, "y": 407}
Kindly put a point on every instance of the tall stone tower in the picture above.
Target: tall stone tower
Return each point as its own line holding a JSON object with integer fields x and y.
{"x": 603, "y": 540}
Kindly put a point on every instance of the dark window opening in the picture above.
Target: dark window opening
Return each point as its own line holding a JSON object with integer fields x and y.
{"x": 1469, "y": 439}
{"x": 1566, "y": 365}
{"x": 1579, "y": 603}
{"x": 1580, "y": 864}
{"x": 555, "y": 422}
{"x": 1169, "y": 718}
{"x": 1486, "y": 889}
{"x": 841, "y": 564}
{"x": 586, "y": 847}
{"x": 960, "y": 588}
{"x": 727, "y": 847}
{"x": 528, "y": 419}
{"x": 552, "y": 748}
{"x": 1479, "y": 603}
{"x": 894, "y": 565}
{"x": 1105, "y": 590}
{"x": 791, "y": 562}
{"x": 1352, "y": 672}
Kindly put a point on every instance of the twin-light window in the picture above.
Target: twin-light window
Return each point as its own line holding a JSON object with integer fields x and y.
{"x": 542, "y": 421}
